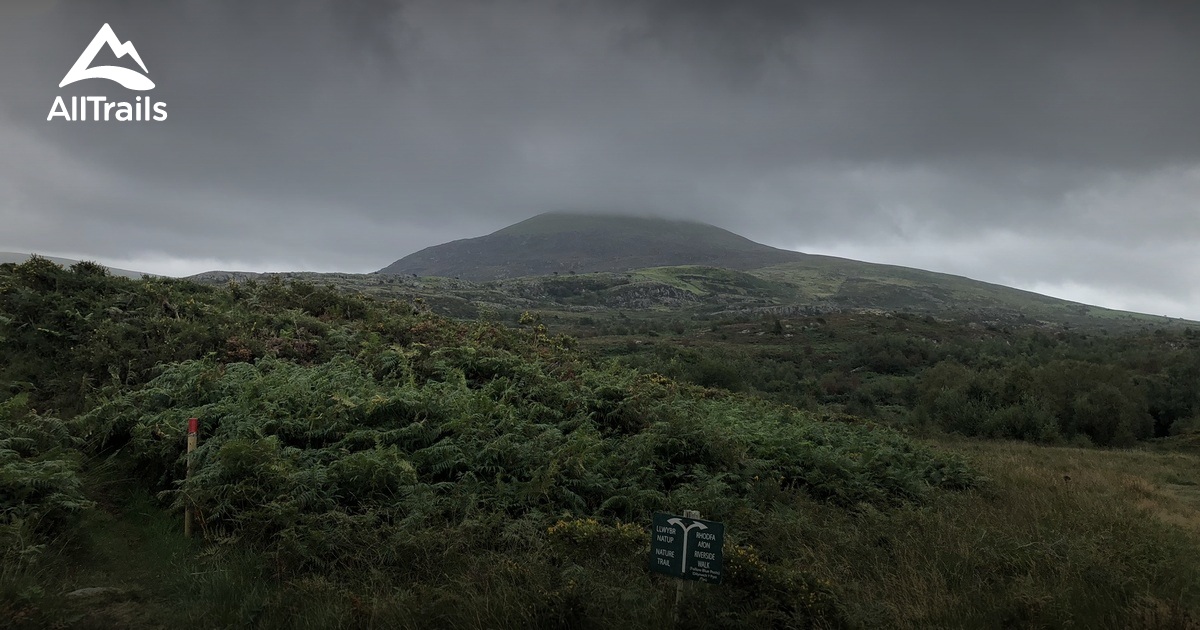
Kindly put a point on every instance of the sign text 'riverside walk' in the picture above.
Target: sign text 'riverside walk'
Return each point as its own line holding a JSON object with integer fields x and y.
{"x": 688, "y": 548}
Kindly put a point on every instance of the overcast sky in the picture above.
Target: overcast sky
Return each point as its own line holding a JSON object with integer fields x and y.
{"x": 1053, "y": 146}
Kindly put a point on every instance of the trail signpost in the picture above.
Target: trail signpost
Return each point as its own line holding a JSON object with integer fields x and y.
{"x": 687, "y": 547}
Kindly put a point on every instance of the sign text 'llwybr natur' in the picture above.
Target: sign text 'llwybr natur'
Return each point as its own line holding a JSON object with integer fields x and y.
{"x": 688, "y": 548}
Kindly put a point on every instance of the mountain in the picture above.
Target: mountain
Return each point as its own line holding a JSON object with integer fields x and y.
{"x": 584, "y": 262}
{"x": 13, "y": 257}
{"x": 563, "y": 243}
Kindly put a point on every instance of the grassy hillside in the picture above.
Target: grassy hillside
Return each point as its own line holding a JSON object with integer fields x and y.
{"x": 887, "y": 287}
{"x": 697, "y": 293}
{"x": 368, "y": 463}
{"x": 572, "y": 263}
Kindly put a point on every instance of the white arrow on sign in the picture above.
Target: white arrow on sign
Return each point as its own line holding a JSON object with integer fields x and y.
{"x": 678, "y": 522}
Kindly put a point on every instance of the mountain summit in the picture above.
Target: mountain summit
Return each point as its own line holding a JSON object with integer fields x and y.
{"x": 563, "y": 243}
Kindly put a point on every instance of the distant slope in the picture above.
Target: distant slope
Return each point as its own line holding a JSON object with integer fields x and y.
{"x": 562, "y": 243}
{"x": 639, "y": 263}
{"x": 828, "y": 284}
{"x": 13, "y": 257}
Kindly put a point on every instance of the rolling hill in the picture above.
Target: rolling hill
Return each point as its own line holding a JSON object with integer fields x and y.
{"x": 561, "y": 243}
{"x": 587, "y": 262}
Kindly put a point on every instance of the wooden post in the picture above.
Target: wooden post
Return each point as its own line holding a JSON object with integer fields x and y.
{"x": 193, "y": 430}
{"x": 682, "y": 585}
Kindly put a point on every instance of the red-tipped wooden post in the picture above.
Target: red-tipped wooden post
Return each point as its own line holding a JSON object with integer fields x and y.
{"x": 193, "y": 431}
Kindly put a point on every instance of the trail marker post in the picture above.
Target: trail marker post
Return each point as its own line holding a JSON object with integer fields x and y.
{"x": 192, "y": 435}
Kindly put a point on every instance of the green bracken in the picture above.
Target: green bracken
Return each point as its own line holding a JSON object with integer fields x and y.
{"x": 367, "y": 463}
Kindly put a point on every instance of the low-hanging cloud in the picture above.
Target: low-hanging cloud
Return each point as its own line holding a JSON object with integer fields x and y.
{"x": 1044, "y": 144}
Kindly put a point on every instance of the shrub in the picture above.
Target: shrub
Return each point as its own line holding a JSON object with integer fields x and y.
{"x": 41, "y": 495}
{"x": 286, "y": 445}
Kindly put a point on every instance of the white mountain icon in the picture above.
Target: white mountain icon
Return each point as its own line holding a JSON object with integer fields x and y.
{"x": 126, "y": 77}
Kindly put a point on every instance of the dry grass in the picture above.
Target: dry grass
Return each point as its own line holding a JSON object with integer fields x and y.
{"x": 1159, "y": 484}
{"x": 1060, "y": 537}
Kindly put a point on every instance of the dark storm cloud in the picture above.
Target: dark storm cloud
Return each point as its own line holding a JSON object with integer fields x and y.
{"x": 342, "y": 135}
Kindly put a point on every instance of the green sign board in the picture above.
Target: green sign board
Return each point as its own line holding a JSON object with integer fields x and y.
{"x": 688, "y": 548}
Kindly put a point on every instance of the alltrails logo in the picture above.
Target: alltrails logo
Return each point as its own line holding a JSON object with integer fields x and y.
{"x": 142, "y": 108}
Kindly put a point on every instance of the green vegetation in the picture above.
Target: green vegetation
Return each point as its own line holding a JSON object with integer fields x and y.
{"x": 919, "y": 374}
{"x": 39, "y": 482}
{"x": 818, "y": 286}
{"x": 693, "y": 270}
{"x": 369, "y": 463}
